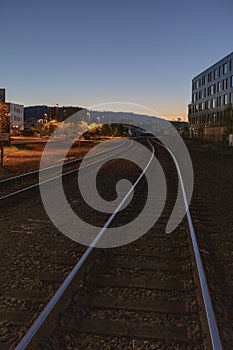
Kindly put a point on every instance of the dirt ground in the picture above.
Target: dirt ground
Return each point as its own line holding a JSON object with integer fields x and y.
{"x": 19, "y": 159}
{"x": 212, "y": 163}
{"x": 213, "y": 179}
{"x": 213, "y": 188}
{"x": 212, "y": 202}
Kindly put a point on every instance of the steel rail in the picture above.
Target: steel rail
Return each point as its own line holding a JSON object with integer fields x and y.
{"x": 56, "y": 297}
{"x": 59, "y": 164}
{"x": 66, "y": 173}
{"x": 209, "y": 311}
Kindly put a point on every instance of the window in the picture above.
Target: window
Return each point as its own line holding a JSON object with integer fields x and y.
{"x": 209, "y": 76}
{"x": 214, "y": 103}
{"x": 225, "y": 99}
{"x": 215, "y": 73}
{"x": 209, "y": 104}
{"x": 231, "y": 97}
{"x": 219, "y": 71}
{"x": 231, "y": 81}
{"x": 202, "y": 106}
{"x": 219, "y": 86}
{"x": 212, "y": 90}
{"x": 219, "y": 101}
{"x": 230, "y": 65}
{"x": 225, "y": 68}
{"x": 224, "y": 84}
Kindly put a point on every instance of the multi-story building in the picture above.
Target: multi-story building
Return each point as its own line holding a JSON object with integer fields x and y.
{"x": 16, "y": 116}
{"x": 212, "y": 91}
{"x": 11, "y": 113}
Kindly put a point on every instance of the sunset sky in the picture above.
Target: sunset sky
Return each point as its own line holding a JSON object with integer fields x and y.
{"x": 88, "y": 52}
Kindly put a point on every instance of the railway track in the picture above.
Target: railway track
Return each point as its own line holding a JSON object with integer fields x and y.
{"x": 12, "y": 186}
{"x": 144, "y": 295}
{"x": 35, "y": 258}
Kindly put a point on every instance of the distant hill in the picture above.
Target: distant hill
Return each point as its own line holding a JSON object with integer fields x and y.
{"x": 152, "y": 123}
{"x": 46, "y": 112}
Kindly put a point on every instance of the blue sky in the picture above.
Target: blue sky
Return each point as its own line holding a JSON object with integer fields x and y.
{"x": 93, "y": 51}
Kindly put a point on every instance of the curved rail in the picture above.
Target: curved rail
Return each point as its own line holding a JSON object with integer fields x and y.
{"x": 212, "y": 324}
{"x": 42, "y": 317}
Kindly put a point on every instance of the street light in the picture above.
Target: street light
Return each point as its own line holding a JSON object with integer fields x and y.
{"x": 57, "y": 105}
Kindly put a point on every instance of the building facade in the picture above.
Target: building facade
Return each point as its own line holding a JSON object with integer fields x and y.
{"x": 212, "y": 92}
{"x": 11, "y": 115}
{"x": 16, "y": 116}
